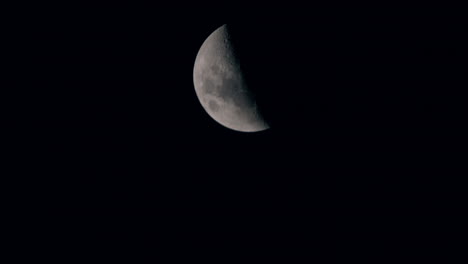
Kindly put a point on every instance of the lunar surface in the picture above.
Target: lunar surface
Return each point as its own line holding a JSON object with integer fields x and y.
{"x": 221, "y": 86}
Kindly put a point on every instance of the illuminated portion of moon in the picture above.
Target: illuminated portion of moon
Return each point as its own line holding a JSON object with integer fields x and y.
{"x": 221, "y": 86}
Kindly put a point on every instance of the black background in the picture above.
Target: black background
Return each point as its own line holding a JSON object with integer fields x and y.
{"x": 362, "y": 159}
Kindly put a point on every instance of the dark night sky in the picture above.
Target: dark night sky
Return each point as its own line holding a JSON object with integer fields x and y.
{"x": 367, "y": 121}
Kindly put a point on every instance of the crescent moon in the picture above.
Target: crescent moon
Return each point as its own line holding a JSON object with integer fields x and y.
{"x": 221, "y": 87}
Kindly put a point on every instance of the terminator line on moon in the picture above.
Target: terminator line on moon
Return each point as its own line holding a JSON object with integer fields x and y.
{"x": 221, "y": 87}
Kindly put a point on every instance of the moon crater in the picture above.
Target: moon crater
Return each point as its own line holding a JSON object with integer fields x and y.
{"x": 213, "y": 106}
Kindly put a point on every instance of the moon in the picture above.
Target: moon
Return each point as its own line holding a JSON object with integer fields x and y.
{"x": 221, "y": 87}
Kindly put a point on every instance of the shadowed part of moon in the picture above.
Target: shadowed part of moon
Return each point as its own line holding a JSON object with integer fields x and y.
{"x": 221, "y": 87}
